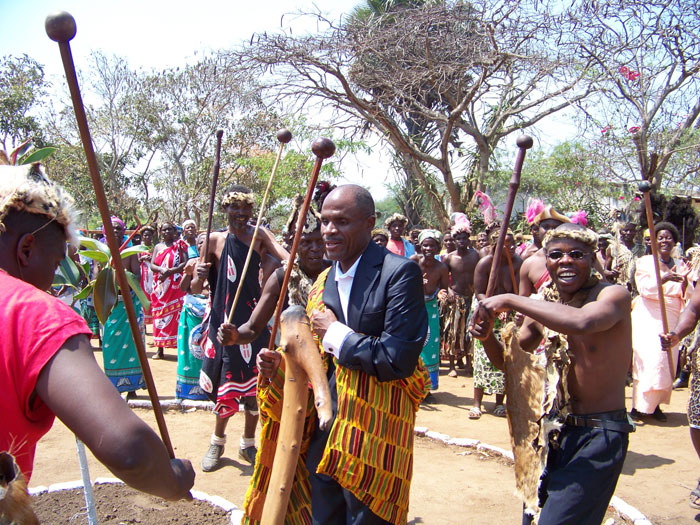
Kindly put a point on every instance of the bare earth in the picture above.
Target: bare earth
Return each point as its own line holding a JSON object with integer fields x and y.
{"x": 451, "y": 485}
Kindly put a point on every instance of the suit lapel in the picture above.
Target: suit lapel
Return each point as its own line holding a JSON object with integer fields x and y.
{"x": 330, "y": 295}
{"x": 367, "y": 274}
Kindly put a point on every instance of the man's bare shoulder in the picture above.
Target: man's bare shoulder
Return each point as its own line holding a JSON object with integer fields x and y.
{"x": 611, "y": 292}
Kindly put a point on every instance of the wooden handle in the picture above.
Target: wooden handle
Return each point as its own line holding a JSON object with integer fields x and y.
{"x": 61, "y": 27}
{"x": 302, "y": 362}
{"x": 524, "y": 143}
{"x": 645, "y": 188}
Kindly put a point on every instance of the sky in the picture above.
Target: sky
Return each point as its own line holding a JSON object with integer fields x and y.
{"x": 160, "y": 34}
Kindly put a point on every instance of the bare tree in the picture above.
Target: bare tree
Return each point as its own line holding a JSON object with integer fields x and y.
{"x": 648, "y": 56}
{"x": 428, "y": 79}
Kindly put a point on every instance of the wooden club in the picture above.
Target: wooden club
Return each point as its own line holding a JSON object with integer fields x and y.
{"x": 284, "y": 136}
{"x": 645, "y": 188}
{"x": 524, "y": 143}
{"x": 61, "y": 28}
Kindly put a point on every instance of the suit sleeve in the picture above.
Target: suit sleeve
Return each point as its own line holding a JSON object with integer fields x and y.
{"x": 393, "y": 354}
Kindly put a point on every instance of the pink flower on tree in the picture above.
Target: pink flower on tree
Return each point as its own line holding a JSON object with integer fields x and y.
{"x": 579, "y": 217}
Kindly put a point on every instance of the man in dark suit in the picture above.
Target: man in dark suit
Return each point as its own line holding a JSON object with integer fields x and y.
{"x": 374, "y": 324}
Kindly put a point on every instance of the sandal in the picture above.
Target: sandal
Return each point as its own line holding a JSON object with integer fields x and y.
{"x": 452, "y": 373}
{"x": 694, "y": 500}
{"x": 499, "y": 411}
{"x": 475, "y": 413}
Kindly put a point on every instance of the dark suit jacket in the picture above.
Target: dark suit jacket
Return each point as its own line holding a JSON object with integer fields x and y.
{"x": 386, "y": 310}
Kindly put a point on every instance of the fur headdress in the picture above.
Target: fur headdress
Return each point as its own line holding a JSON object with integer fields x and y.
{"x": 394, "y": 218}
{"x": 313, "y": 219}
{"x": 583, "y": 235}
{"x": 237, "y": 196}
{"x": 27, "y": 188}
{"x": 460, "y": 223}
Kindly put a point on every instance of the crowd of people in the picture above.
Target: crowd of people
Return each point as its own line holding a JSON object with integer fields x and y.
{"x": 388, "y": 311}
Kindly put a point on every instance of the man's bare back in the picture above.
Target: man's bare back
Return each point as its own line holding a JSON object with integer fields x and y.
{"x": 504, "y": 280}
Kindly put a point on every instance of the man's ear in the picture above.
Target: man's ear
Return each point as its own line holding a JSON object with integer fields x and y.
{"x": 25, "y": 248}
{"x": 371, "y": 220}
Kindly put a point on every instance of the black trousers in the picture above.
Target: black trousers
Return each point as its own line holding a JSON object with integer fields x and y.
{"x": 580, "y": 476}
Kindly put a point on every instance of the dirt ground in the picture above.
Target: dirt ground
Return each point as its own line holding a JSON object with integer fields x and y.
{"x": 451, "y": 485}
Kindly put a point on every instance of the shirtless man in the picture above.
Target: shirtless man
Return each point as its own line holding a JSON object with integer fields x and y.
{"x": 533, "y": 273}
{"x": 482, "y": 244}
{"x": 228, "y": 372}
{"x": 536, "y": 244}
{"x": 487, "y": 378}
{"x": 436, "y": 278}
{"x": 461, "y": 264}
{"x": 582, "y": 470}
{"x": 448, "y": 244}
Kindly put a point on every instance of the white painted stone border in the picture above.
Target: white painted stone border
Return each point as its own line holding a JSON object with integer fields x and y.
{"x": 186, "y": 405}
{"x": 626, "y": 510}
{"x": 236, "y": 514}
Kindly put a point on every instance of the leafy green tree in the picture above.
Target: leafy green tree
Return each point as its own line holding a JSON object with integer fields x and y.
{"x": 22, "y": 88}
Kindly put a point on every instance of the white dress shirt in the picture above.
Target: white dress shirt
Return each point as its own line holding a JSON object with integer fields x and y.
{"x": 337, "y": 332}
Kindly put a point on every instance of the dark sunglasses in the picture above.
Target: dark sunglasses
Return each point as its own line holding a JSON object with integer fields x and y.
{"x": 555, "y": 255}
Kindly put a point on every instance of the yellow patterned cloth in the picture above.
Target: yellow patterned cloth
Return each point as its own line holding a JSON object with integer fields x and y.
{"x": 270, "y": 399}
{"x": 370, "y": 446}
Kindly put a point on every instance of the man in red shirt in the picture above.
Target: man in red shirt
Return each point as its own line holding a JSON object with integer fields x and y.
{"x": 47, "y": 368}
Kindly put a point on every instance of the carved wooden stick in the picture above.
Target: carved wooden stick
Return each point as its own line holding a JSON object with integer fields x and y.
{"x": 302, "y": 363}
{"x": 284, "y": 136}
{"x": 61, "y": 28}
{"x": 645, "y": 188}
{"x": 524, "y": 143}
{"x": 203, "y": 257}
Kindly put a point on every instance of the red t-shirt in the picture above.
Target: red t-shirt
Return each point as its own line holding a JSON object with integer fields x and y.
{"x": 396, "y": 247}
{"x": 35, "y": 326}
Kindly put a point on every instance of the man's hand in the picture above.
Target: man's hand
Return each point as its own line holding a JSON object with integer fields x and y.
{"x": 669, "y": 340}
{"x": 320, "y": 321}
{"x": 202, "y": 271}
{"x": 611, "y": 275}
{"x": 184, "y": 474}
{"x": 481, "y": 325}
{"x": 227, "y": 334}
{"x": 442, "y": 295}
{"x": 495, "y": 305}
{"x": 268, "y": 361}
{"x": 190, "y": 267}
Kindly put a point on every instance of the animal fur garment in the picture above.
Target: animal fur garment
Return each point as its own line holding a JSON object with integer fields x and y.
{"x": 15, "y": 502}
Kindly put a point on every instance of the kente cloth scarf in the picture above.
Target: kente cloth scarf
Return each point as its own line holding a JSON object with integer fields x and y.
{"x": 370, "y": 447}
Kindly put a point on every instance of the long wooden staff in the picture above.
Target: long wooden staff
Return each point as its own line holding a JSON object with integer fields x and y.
{"x": 322, "y": 149}
{"x": 513, "y": 280}
{"x": 60, "y": 27}
{"x": 645, "y": 188}
{"x": 524, "y": 143}
{"x": 212, "y": 197}
{"x": 302, "y": 362}
{"x": 284, "y": 136}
